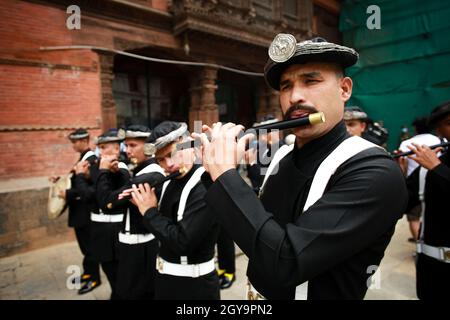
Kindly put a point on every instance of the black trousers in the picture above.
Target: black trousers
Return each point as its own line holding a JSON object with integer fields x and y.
{"x": 225, "y": 252}
{"x": 136, "y": 271}
{"x": 104, "y": 248}
{"x": 168, "y": 287}
{"x": 90, "y": 265}
{"x": 432, "y": 279}
{"x": 110, "y": 269}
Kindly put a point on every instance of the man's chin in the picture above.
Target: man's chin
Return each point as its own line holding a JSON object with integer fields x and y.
{"x": 169, "y": 172}
{"x": 304, "y": 132}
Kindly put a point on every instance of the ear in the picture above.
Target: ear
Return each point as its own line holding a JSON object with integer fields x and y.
{"x": 364, "y": 125}
{"x": 346, "y": 87}
{"x": 438, "y": 131}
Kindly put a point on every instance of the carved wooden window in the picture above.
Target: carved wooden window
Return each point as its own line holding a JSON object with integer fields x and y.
{"x": 263, "y": 8}
{"x": 290, "y": 10}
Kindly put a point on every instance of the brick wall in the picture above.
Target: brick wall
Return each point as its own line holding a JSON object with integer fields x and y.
{"x": 43, "y": 96}
{"x": 24, "y": 225}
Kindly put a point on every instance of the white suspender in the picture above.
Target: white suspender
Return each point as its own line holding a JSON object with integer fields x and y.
{"x": 153, "y": 167}
{"x": 192, "y": 182}
{"x": 127, "y": 222}
{"x": 123, "y": 166}
{"x": 346, "y": 150}
{"x": 88, "y": 154}
{"x": 277, "y": 157}
{"x": 163, "y": 190}
{"x": 422, "y": 177}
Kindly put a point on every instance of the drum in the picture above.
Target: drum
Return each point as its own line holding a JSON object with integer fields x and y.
{"x": 57, "y": 205}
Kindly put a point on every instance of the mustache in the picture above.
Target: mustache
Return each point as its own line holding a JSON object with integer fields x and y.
{"x": 297, "y": 107}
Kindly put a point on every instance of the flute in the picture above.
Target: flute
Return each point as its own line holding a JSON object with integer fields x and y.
{"x": 311, "y": 119}
{"x": 408, "y": 153}
{"x": 171, "y": 176}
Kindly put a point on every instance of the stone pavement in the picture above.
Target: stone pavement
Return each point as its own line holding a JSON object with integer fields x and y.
{"x": 41, "y": 274}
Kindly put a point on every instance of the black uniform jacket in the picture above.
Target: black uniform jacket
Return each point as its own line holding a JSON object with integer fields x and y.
{"x": 195, "y": 235}
{"x": 437, "y": 191}
{"x": 256, "y": 171}
{"x": 336, "y": 243}
{"x": 104, "y": 234}
{"x": 107, "y": 195}
{"x": 79, "y": 199}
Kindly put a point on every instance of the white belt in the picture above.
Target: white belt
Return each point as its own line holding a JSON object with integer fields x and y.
{"x": 440, "y": 253}
{"x": 135, "y": 238}
{"x": 185, "y": 270}
{"x": 106, "y": 217}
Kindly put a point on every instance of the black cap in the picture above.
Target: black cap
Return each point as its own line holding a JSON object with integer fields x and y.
{"x": 285, "y": 51}
{"x": 79, "y": 134}
{"x": 164, "y": 134}
{"x": 137, "y": 131}
{"x": 112, "y": 135}
{"x": 354, "y": 113}
{"x": 439, "y": 113}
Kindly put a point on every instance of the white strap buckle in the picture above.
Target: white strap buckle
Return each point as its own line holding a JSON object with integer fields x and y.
{"x": 445, "y": 254}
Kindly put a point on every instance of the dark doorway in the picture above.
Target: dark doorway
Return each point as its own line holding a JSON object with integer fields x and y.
{"x": 148, "y": 93}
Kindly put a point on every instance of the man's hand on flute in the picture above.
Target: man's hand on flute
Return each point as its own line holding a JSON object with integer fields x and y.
{"x": 144, "y": 197}
{"x": 424, "y": 156}
{"x": 225, "y": 150}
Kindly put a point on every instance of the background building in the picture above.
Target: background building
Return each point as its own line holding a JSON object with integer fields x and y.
{"x": 54, "y": 79}
{"x": 403, "y": 71}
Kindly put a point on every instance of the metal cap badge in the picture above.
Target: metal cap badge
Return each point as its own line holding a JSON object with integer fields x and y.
{"x": 121, "y": 134}
{"x": 282, "y": 47}
{"x": 149, "y": 149}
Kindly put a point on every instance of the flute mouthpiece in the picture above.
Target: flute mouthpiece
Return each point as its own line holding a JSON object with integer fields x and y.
{"x": 182, "y": 170}
{"x": 316, "y": 118}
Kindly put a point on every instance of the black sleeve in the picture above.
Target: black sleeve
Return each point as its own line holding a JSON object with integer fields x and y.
{"x": 123, "y": 177}
{"x": 72, "y": 195}
{"x": 363, "y": 203}
{"x": 182, "y": 237}
{"x": 84, "y": 189}
{"x": 412, "y": 184}
{"x": 442, "y": 176}
{"x": 152, "y": 178}
{"x": 255, "y": 176}
{"x": 106, "y": 193}
{"x": 93, "y": 168}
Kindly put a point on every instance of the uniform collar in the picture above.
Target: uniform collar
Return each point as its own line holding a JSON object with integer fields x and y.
{"x": 84, "y": 152}
{"x": 189, "y": 174}
{"x": 143, "y": 164}
{"x": 309, "y": 157}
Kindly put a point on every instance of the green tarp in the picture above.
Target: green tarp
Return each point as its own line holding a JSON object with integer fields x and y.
{"x": 404, "y": 67}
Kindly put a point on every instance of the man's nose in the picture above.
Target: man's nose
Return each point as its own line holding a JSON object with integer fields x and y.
{"x": 169, "y": 162}
{"x": 297, "y": 95}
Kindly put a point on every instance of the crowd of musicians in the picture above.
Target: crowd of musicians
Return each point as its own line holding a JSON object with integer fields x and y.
{"x": 318, "y": 212}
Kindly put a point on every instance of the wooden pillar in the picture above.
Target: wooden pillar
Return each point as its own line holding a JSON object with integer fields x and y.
{"x": 203, "y": 101}
{"x": 273, "y": 105}
{"x": 269, "y": 103}
{"x": 108, "y": 106}
{"x": 195, "y": 92}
